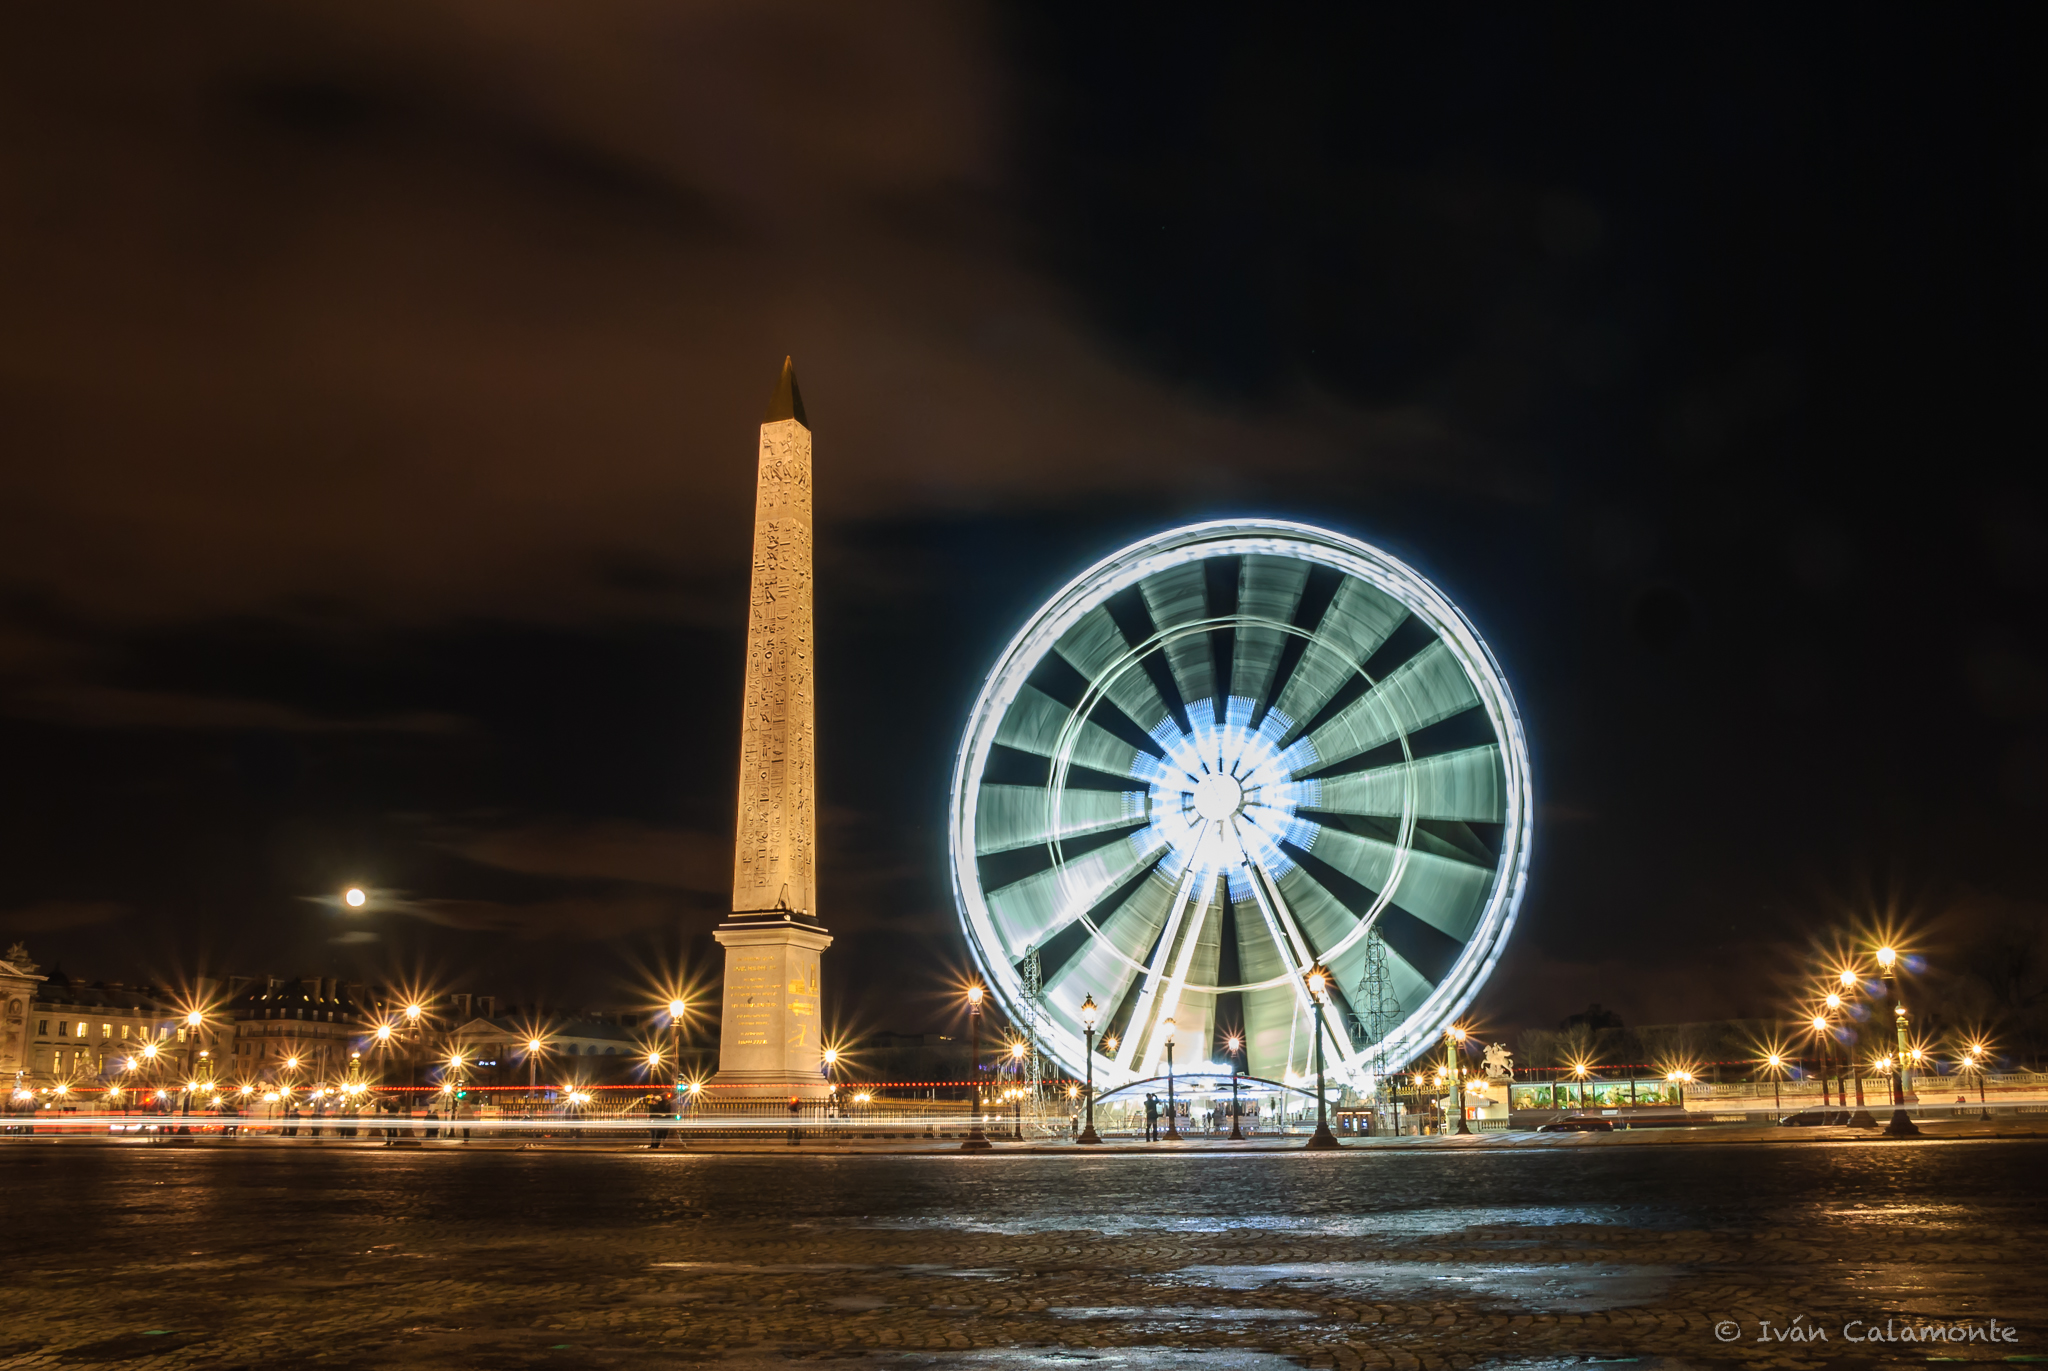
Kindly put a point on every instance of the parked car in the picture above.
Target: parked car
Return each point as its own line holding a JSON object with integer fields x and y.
{"x": 1577, "y": 1126}
{"x": 1817, "y": 1118}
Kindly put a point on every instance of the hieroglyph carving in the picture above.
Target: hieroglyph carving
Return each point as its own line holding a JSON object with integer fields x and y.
{"x": 773, "y": 858}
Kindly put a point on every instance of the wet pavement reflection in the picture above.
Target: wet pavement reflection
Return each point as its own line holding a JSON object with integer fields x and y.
{"x": 281, "y": 1252}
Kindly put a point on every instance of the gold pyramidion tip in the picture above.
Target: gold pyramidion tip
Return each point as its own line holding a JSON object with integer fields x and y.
{"x": 789, "y": 401}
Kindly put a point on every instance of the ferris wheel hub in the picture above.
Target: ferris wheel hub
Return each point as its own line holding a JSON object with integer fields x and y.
{"x": 1218, "y": 797}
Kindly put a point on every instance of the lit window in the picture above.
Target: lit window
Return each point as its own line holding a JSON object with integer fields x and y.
{"x": 106, "y": 1030}
{"x": 181, "y": 1035}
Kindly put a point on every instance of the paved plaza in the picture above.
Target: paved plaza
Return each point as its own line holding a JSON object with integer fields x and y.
{"x": 286, "y": 1252}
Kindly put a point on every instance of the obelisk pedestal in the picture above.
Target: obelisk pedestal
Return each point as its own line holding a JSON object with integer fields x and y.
{"x": 768, "y": 1039}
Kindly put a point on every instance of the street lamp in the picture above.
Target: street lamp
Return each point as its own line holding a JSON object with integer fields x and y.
{"x": 1902, "y": 1125}
{"x": 1236, "y": 1045}
{"x": 1172, "y": 1111}
{"x": 976, "y": 1140}
{"x": 1454, "y": 1093}
{"x": 676, "y": 1009}
{"x": 413, "y": 1013}
{"x": 534, "y": 1047}
{"x": 1017, "y": 1051}
{"x": 1777, "y": 1065}
{"x": 1819, "y": 1025}
{"x": 1089, "y": 1011}
{"x": 1679, "y": 1080}
{"x": 1580, "y": 1069}
{"x": 1973, "y": 1059}
{"x": 1318, "y": 981}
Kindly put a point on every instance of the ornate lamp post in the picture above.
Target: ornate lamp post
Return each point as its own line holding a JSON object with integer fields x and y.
{"x": 1821, "y": 1037}
{"x": 1322, "y": 1139}
{"x": 676, "y": 1009}
{"x": 1454, "y": 1088}
{"x": 1848, "y": 979}
{"x": 1902, "y": 1125}
{"x": 1088, "y": 1017}
{"x": 534, "y": 1047}
{"x": 1172, "y": 1125}
{"x": 194, "y": 1021}
{"x": 1973, "y": 1060}
{"x": 655, "y": 1136}
{"x": 1236, "y": 1045}
{"x": 1777, "y": 1065}
{"x": 1017, "y": 1051}
{"x": 976, "y": 1140}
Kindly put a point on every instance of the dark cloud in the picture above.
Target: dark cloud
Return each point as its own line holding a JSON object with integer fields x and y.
{"x": 379, "y": 390}
{"x": 57, "y": 916}
{"x": 571, "y": 920}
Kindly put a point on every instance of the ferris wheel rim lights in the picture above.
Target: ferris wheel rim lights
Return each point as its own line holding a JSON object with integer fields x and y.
{"x": 993, "y": 953}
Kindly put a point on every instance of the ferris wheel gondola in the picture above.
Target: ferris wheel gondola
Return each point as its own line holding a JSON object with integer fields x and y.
{"x": 1218, "y": 758}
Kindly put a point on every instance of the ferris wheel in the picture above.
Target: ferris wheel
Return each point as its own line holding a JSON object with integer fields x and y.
{"x": 1225, "y": 755}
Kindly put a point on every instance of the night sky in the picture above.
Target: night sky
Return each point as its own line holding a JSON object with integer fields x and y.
{"x": 379, "y": 399}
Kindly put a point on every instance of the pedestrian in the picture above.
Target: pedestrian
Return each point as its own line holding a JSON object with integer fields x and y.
{"x": 654, "y": 1110}
{"x": 1151, "y": 1118}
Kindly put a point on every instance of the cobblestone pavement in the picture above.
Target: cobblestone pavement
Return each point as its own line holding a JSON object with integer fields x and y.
{"x": 261, "y": 1253}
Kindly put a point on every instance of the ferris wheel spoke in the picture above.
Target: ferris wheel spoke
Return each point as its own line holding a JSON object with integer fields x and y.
{"x": 1326, "y": 921}
{"x": 1095, "y": 647}
{"x": 1358, "y": 620}
{"x": 1269, "y": 590}
{"x": 1010, "y": 817}
{"x": 1427, "y": 687}
{"x": 1136, "y": 1030}
{"x": 1295, "y": 953}
{"x": 1448, "y": 893}
{"x": 1169, "y": 1002}
{"x": 1041, "y": 904}
{"x": 1035, "y": 724}
{"x": 1301, "y": 954}
{"x": 1468, "y": 785}
{"x": 1103, "y": 948}
{"x": 1176, "y": 597}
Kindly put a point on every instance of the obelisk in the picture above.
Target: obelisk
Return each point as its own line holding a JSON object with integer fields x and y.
{"x": 768, "y": 1038}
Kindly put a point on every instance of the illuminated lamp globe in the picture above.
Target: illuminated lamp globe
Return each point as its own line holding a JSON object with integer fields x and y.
{"x": 1886, "y": 957}
{"x": 676, "y": 1008}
